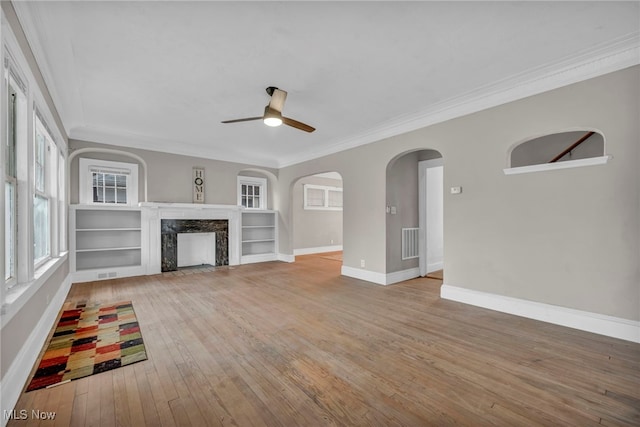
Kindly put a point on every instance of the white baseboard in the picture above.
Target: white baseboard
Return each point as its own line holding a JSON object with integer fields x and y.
{"x": 610, "y": 326}
{"x": 435, "y": 266}
{"x": 369, "y": 276}
{"x": 18, "y": 373}
{"x": 317, "y": 250}
{"x": 251, "y": 259}
{"x": 286, "y": 258}
{"x": 401, "y": 276}
{"x": 380, "y": 278}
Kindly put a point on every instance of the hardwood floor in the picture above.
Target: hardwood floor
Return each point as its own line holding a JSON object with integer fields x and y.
{"x": 281, "y": 344}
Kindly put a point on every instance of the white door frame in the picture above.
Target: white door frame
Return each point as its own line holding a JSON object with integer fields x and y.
{"x": 422, "y": 209}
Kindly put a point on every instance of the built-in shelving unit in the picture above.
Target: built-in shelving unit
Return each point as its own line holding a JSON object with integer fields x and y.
{"x": 106, "y": 242}
{"x": 259, "y": 236}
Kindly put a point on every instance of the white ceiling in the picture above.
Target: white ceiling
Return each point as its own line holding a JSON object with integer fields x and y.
{"x": 162, "y": 75}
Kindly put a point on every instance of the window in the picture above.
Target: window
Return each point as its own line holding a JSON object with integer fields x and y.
{"x": 42, "y": 193}
{"x": 107, "y": 182}
{"x": 10, "y": 190}
{"x": 252, "y": 192}
{"x": 321, "y": 197}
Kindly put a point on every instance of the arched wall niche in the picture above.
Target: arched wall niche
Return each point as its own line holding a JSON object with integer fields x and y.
{"x": 570, "y": 148}
{"x": 272, "y": 181}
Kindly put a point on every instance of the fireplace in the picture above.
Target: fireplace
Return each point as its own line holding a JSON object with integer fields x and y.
{"x": 170, "y": 228}
{"x": 162, "y": 222}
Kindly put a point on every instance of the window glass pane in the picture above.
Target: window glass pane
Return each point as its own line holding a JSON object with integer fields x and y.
{"x": 121, "y": 196}
{"x": 256, "y": 190}
{"x": 335, "y": 199}
{"x": 10, "y": 156}
{"x": 250, "y": 202}
{"x": 109, "y": 195}
{"x": 109, "y": 180}
{"x": 9, "y": 231}
{"x": 40, "y": 228}
{"x": 315, "y": 197}
{"x": 250, "y": 190}
{"x": 244, "y": 190}
{"x": 40, "y": 162}
{"x": 121, "y": 181}
{"x": 256, "y": 202}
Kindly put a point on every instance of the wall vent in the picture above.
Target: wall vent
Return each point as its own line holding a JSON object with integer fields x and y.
{"x": 410, "y": 243}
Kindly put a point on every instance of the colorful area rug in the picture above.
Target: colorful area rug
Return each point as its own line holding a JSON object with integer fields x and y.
{"x": 90, "y": 339}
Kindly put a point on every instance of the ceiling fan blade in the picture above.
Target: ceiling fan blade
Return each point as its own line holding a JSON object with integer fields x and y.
{"x": 277, "y": 99}
{"x": 298, "y": 125}
{"x": 242, "y": 120}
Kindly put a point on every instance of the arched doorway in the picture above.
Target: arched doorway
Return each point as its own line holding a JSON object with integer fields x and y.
{"x": 414, "y": 221}
{"x": 316, "y": 214}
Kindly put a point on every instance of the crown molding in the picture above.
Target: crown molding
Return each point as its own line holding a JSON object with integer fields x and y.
{"x": 142, "y": 142}
{"x": 602, "y": 59}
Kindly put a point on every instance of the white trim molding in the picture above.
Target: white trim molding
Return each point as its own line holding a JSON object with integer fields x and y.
{"x": 286, "y": 258}
{"x": 610, "y": 326}
{"x": 380, "y": 278}
{"x": 317, "y": 250}
{"x": 19, "y": 371}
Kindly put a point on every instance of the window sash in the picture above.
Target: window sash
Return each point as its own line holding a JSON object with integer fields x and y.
{"x": 251, "y": 196}
{"x": 322, "y": 197}
{"x": 41, "y": 229}
{"x": 110, "y": 187}
{"x": 10, "y": 232}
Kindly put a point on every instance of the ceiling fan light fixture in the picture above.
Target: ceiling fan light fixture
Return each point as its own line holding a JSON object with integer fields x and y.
{"x": 272, "y": 117}
{"x": 272, "y": 121}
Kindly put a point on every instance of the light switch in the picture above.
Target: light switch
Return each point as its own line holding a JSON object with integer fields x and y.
{"x": 456, "y": 190}
{"x": 393, "y": 210}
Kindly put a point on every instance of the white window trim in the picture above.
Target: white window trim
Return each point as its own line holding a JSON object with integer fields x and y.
{"x": 326, "y": 189}
{"x": 86, "y": 187}
{"x": 251, "y": 180}
{"x": 46, "y": 192}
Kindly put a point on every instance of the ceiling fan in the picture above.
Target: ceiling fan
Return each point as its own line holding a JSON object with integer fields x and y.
{"x": 273, "y": 112}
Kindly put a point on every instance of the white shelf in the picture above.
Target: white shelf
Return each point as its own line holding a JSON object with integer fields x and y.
{"x": 259, "y": 236}
{"x": 108, "y": 229}
{"x": 128, "y": 248}
{"x": 106, "y": 242}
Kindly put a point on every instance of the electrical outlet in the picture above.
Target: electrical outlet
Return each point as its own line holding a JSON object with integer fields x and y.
{"x": 456, "y": 190}
{"x": 361, "y": 263}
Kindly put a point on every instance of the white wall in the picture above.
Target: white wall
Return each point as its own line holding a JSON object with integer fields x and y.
{"x": 435, "y": 218}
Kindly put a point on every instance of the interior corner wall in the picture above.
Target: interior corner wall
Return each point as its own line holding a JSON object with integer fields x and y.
{"x": 169, "y": 176}
{"x": 315, "y": 228}
{"x": 569, "y": 237}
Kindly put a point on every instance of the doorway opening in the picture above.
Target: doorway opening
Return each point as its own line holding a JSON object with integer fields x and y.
{"x": 317, "y": 204}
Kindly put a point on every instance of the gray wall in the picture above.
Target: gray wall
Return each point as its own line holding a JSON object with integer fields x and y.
{"x": 315, "y": 228}
{"x": 170, "y": 176}
{"x": 16, "y": 332}
{"x": 566, "y": 237}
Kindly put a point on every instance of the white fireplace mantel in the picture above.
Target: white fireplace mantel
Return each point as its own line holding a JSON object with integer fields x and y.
{"x": 153, "y": 213}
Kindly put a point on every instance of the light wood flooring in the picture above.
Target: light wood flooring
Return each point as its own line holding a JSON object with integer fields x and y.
{"x": 279, "y": 344}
